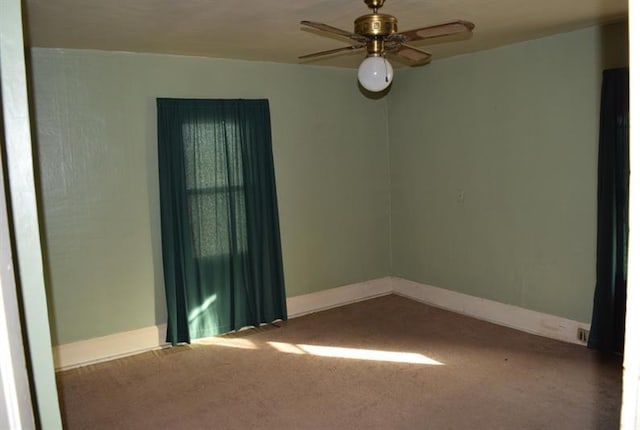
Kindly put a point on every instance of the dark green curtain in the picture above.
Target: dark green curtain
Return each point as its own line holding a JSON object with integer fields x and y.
{"x": 607, "y": 323}
{"x": 220, "y": 233}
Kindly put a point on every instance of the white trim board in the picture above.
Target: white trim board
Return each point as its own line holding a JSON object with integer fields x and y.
{"x": 99, "y": 349}
{"x": 96, "y": 350}
{"x": 522, "y": 319}
{"x": 104, "y": 348}
{"x": 322, "y": 300}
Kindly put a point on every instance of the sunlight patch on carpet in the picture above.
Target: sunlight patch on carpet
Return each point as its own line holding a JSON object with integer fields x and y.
{"x": 355, "y": 353}
{"x": 227, "y": 341}
{"x": 289, "y": 348}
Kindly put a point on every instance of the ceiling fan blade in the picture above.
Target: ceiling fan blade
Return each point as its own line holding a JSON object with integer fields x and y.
{"x": 331, "y": 51}
{"x": 333, "y": 30}
{"x": 440, "y": 30}
{"x": 414, "y": 55}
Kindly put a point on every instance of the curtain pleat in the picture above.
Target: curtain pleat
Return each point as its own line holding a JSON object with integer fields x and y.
{"x": 607, "y": 325}
{"x": 220, "y": 231}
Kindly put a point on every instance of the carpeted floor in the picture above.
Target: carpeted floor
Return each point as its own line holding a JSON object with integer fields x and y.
{"x": 411, "y": 366}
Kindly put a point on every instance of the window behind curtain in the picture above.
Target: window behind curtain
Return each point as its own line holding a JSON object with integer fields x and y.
{"x": 215, "y": 193}
{"x": 220, "y": 233}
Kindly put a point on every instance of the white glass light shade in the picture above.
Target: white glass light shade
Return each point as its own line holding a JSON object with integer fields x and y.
{"x": 375, "y": 73}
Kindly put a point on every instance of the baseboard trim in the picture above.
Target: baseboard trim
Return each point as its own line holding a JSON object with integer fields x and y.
{"x": 118, "y": 345}
{"x": 526, "y": 320}
{"x": 96, "y": 350}
{"x": 104, "y": 348}
{"x": 322, "y": 300}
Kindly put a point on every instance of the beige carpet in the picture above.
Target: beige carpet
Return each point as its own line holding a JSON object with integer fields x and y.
{"x": 488, "y": 377}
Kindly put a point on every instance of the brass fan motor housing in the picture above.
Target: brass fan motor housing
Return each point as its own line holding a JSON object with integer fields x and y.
{"x": 375, "y": 25}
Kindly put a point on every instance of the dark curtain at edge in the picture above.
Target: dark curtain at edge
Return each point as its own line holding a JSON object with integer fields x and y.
{"x": 255, "y": 285}
{"x": 607, "y": 326}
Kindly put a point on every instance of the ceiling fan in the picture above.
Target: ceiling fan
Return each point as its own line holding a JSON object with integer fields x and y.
{"x": 378, "y": 34}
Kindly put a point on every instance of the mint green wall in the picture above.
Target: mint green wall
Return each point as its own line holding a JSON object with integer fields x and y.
{"x": 493, "y": 171}
{"x": 98, "y": 165}
{"x": 511, "y": 132}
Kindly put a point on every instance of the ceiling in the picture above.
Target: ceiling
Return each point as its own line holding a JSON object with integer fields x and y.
{"x": 270, "y": 30}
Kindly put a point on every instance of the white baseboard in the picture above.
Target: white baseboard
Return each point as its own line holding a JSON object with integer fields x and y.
{"x": 488, "y": 310}
{"x": 118, "y": 345}
{"x": 340, "y": 296}
{"x": 96, "y": 350}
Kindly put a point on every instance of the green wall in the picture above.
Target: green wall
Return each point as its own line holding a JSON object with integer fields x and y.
{"x": 488, "y": 159}
{"x": 98, "y": 165}
{"x": 493, "y": 170}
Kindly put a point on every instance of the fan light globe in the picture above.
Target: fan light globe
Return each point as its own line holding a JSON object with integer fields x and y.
{"x": 375, "y": 73}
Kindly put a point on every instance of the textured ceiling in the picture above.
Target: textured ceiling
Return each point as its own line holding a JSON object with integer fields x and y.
{"x": 270, "y": 30}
